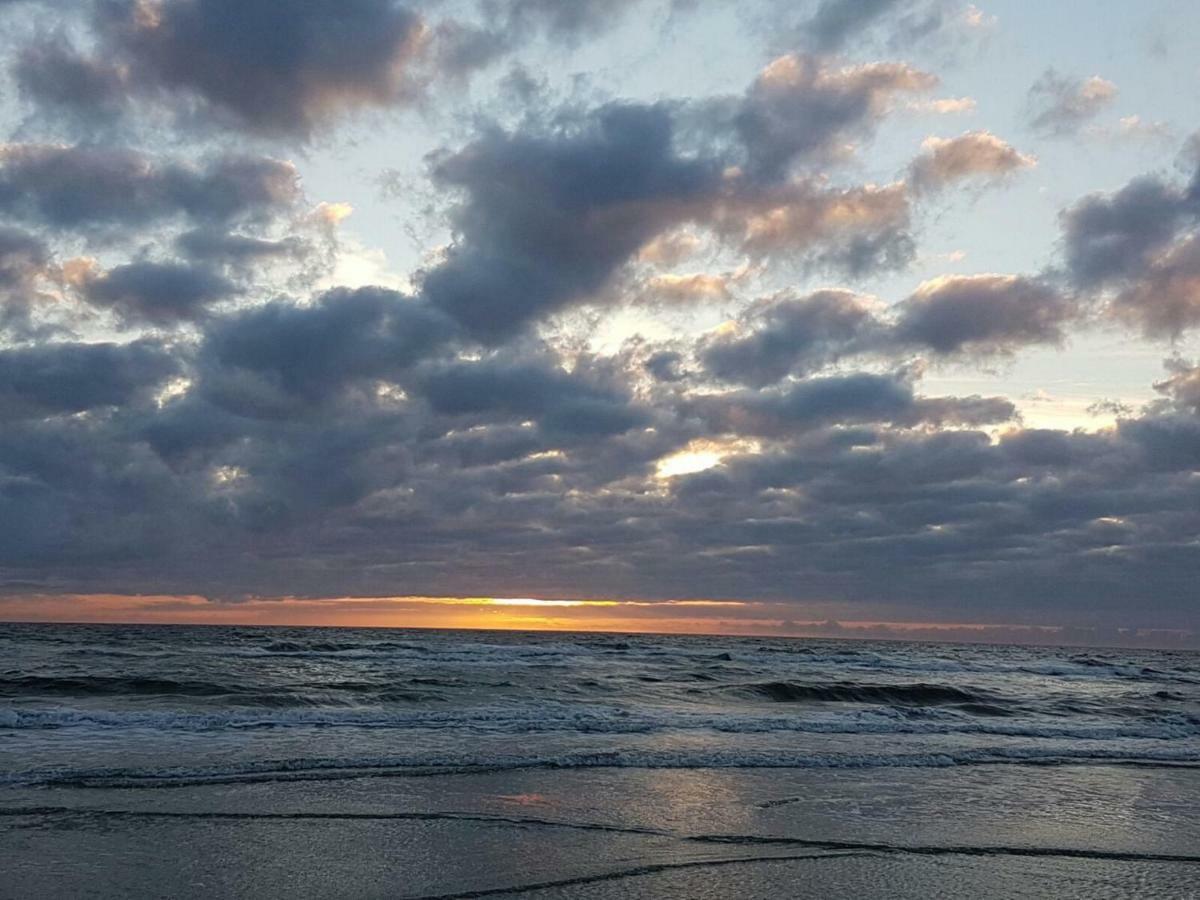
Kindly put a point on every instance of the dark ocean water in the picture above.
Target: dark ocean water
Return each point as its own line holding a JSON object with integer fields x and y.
{"x": 168, "y": 705}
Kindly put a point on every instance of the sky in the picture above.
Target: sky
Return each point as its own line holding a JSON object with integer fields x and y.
{"x": 837, "y": 317}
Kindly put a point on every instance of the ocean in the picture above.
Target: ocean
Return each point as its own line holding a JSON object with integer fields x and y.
{"x": 414, "y": 763}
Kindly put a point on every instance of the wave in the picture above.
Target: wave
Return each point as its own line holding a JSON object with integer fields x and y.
{"x": 109, "y": 685}
{"x": 1076, "y": 667}
{"x": 854, "y": 692}
{"x": 472, "y": 655}
{"x": 297, "y": 769}
{"x": 326, "y": 647}
{"x": 603, "y": 720}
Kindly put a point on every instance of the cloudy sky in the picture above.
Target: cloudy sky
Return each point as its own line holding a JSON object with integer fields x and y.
{"x": 728, "y": 316}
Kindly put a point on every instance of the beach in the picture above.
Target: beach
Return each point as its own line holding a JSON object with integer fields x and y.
{"x": 1091, "y": 832}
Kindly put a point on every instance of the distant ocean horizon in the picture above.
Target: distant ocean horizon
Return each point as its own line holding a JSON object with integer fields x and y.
{"x": 1047, "y": 637}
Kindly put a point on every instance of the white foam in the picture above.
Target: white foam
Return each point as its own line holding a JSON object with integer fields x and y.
{"x": 636, "y": 759}
{"x": 594, "y": 719}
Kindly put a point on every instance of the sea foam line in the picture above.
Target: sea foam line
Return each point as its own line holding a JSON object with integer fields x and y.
{"x": 336, "y": 768}
{"x": 597, "y": 719}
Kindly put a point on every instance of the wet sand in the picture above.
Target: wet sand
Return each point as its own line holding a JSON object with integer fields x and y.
{"x": 994, "y": 831}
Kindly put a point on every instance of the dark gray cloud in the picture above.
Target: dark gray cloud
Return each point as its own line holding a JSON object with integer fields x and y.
{"x": 53, "y": 74}
{"x": 983, "y": 314}
{"x": 547, "y": 219}
{"x": 786, "y": 335}
{"x": 971, "y": 316}
{"x": 100, "y": 188}
{"x": 211, "y": 245}
{"x": 1112, "y": 236}
{"x": 283, "y": 359}
{"x": 567, "y": 406}
{"x": 1060, "y": 105}
{"x": 157, "y": 293}
{"x": 1137, "y": 248}
{"x": 56, "y": 378}
{"x": 847, "y": 399}
{"x": 265, "y": 67}
{"x": 664, "y": 365}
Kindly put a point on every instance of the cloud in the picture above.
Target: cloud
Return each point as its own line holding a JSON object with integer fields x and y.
{"x": 51, "y": 73}
{"x": 857, "y": 230}
{"x": 836, "y": 20}
{"x": 1137, "y": 128}
{"x": 280, "y": 72}
{"x": 338, "y": 428}
{"x": 212, "y": 245}
{"x": 898, "y": 26}
{"x": 156, "y": 293}
{"x": 277, "y": 72}
{"x": 683, "y": 289}
{"x": 801, "y": 110}
{"x": 24, "y": 261}
{"x": 267, "y": 69}
{"x": 461, "y": 48}
{"x": 563, "y": 19}
{"x": 982, "y": 314}
{"x": 975, "y": 154}
{"x": 1137, "y": 248}
{"x": 946, "y": 105}
{"x": 1182, "y": 386}
{"x": 1060, "y": 105}
{"x": 1165, "y": 300}
{"x": 547, "y": 216}
{"x": 103, "y": 189}
{"x": 546, "y": 219}
{"x": 567, "y": 406}
{"x": 1111, "y": 236}
{"x": 664, "y": 365}
{"x": 284, "y": 359}
{"x": 967, "y": 316}
{"x": 860, "y": 397}
{"x": 56, "y": 378}
{"x": 786, "y": 335}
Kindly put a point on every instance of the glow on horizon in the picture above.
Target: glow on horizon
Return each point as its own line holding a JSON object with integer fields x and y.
{"x": 745, "y": 618}
{"x": 529, "y": 613}
{"x": 530, "y": 601}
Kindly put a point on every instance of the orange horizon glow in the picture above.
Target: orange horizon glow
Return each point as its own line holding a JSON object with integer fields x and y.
{"x": 681, "y": 616}
{"x": 492, "y": 613}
